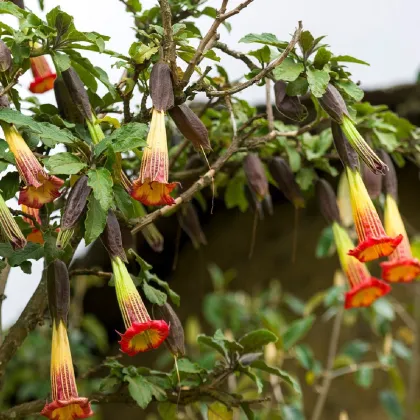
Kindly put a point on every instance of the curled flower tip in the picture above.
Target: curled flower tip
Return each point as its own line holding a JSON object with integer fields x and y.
{"x": 401, "y": 267}
{"x": 9, "y": 228}
{"x": 364, "y": 289}
{"x": 36, "y": 235}
{"x": 190, "y": 224}
{"x": 391, "y": 180}
{"x": 327, "y": 201}
{"x": 373, "y": 241}
{"x": 142, "y": 333}
{"x": 161, "y": 89}
{"x": 43, "y": 75}
{"x": 152, "y": 187}
{"x": 373, "y": 182}
{"x": 255, "y": 175}
{"x": 191, "y": 127}
{"x": 285, "y": 179}
{"x": 66, "y": 403}
{"x": 289, "y": 106}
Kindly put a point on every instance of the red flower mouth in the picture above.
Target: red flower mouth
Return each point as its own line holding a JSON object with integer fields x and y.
{"x": 153, "y": 193}
{"x": 365, "y": 293}
{"x": 43, "y": 84}
{"x": 401, "y": 271}
{"x": 47, "y": 192}
{"x": 75, "y": 408}
{"x": 373, "y": 248}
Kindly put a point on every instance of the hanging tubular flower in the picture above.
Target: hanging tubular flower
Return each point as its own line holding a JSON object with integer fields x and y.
{"x": 40, "y": 188}
{"x": 9, "y": 228}
{"x": 36, "y": 235}
{"x": 373, "y": 241}
{"x": 43, "y": 75}
{"x": 401, "y": 267}
{"x": 364, "y": 289}
{"x": 142, "y": 333}
{"x": 152, "y": 187}
{"x": 66, "y": 403}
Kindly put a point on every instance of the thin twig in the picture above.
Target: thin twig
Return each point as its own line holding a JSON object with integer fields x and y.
{"x": 353, "y": 368}
{"x": 332, "y": 351}
{"x": 27, "y": 216}
{"x": 4, "y": 275}
{"x": 235, "y": 54}
{"x": 14, "y": 81}
{"x": 89, "y": 272}
{"x": 269, "y": 105}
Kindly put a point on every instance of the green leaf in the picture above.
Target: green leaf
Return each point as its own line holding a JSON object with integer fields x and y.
{"x": 124, "y": 203}
{"x": 213, "y": 343}
{"x": 175, "y": 298}
{"x": 306, "y": 42}
{"x": 321, "y": 58}
{"x": 257, "y": 339}
{"x": 391, "y": 405}
{"x": 96, "y": 331}
{"x": 31, "y": 251}
{"x": 348, "y": 59}
{"x": 265, "y": 38}
{"x": 364, "y": 377}
{"x": 305, "y": 356}
{"x": 351, "y": 89}
{"x": 356, "y": 349}
{"x": 318, "y": 81}
{"x": 296, "y": 331}
{"x": 61, "y": 61}
{"x": 153, "y": 295}
{"x": 184, "y": 365}
{"x": 298, "y": 87}
{"x": 95, "y": 220}
{"x": 168, "y": 411}
{"x": 219, "y": 411}
{"x": 140, "y": 390}
{"x": 64, "y": 163}
{"x": 261, "y": 365}
{"x": 11, "y": 9}
{"x": 326, "y": 245}
{"x": 262, "y": 55}
{"x": 305, "y": 178}
{"x": 140, "y": 52}
{"x": 387, "y": 140}
{"x": 101, "y": 182}
{"x": 9, "y": 185}
{"x": 288, "y": 70}
{"x": 235, "y": 194}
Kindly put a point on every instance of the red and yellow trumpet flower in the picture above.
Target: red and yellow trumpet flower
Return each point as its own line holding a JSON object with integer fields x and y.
{"x": 36, "y": 235}
{"x": 43, "y": 75}
{"x": 152, "y": 187}
{"x": 142, "y": 333}
{"x": 41, "y": 188}
{"x": 364, "y": 289}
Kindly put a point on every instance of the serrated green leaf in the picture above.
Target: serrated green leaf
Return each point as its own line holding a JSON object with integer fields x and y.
{"x": 322, "y": 57}
{"x": 175, "y": 298}
{"x": 140, "y": 390}
{"x": 264, "y": 38}
{"x": 306, "y": 42}
{"x": 124, "y": 203}
{"x": 288, "y": 70}
{"x": 61, "y": 61}
{"x": 153, "y": 295}
{"x": 318, "y": 81}
{"x": 254, "y": 340}
{"x": 211, "y": 342}
{"x": 140, "y": 52}
{"x": 31, "y": 251}
{"x": 64, "y": 163}
{"x": 184, "y": 365}
{"x": 351, "y": 89}
{"x": 95, "y": 220}
{"x": 101, "y": 182}
{"x": 9, "y": 8}
{"x": 296, "y": 331}
{"x": 298, "y": 87}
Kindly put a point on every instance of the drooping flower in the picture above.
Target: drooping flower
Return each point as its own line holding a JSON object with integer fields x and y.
{"x": 364, "y": 289}
{"x": 142, "y": 333}
{"x": 255, "y": 175}
{"x": 401, "y": 266}
{"x": 41, "y": 188}
{"x": 152, "y": 187}
{"x": 66, "y": 403}
{"x": 9, "y": 228}
{"x": 43, "y": 75}
{"x": 373, "y": 241}
{"x": 36, "y": 234}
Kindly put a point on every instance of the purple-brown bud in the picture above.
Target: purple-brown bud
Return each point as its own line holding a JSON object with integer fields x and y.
{"x": 373, "y": 182}
{"x": 327, "y": 201}
{"x": 191, "y": 126}
{"x": 285, "y": 179}
{"x": 333, "y": 104}
{"x": 255, "y": 175}
{"x": 65, "y": 104}
{"x": 5, "y": 57}
{"x": 111, "y": 238}
{"x": 346, "y": 153}
{"x": 58, "y": 285}
{"x": 289, "y": 106}
{"x": 391, "y": 181}
{"x": 161, "y": 89}
{"x": 190, "y": 224}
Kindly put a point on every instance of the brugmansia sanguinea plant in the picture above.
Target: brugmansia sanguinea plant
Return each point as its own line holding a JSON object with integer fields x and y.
{"x": 142, "y": 333}
{"x": 402, "y": 266}
{"x": 66, "y": 403}
{"x": 373, "y": 243}
{"x": 9, "y": 228}
{"x": 364, "y": 289}
{"x": 43, "y": 75}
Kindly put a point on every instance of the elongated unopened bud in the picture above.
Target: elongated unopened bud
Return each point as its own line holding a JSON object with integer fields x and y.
{"x": 346, "y": 153}
{"x": 289, "y": 106}
{"x": 190, "y": 224}
{"x": 191, "y": 126}
{"x": 176, "y": 339}
{"x": 161, "y": 89}
{"x": 78, "y": 93}
{"x": 5, "y": 57}
{"x": 373, "y": 182}
{"x": 333, "y": 104}
{"x": 75, "y": 206}
{"x": 4, "y": 102}
{"x": 111, "y": 238}
{"x": 9, "y": 228}
{"x": 255, "y": 175}
{"x": 285, "y": 179}
{"x": 65, "y": 104}
{"x": 19, "y": 3}
{"x": 327, "y": 201}
{"x": 58, "y": 284}
{"x": 391, "y": 180}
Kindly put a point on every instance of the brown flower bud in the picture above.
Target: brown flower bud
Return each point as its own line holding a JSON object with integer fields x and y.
{"x": 58, "y": 285}
{"x": 373, "y": 182}
{"x": 285, "y": 179}
{"x": 4, "y": 102}
{"x": 175, "y": 340}
{"x": 255, "y": 175}
{"x": 346, "y": 153}
{"x": 19, "y": 3}
{"x": 191, "y": 126}
{"x": 391, "y": 181}
{"x": 5, "y": 57}
{"x": 161, "y": 89}
{"x": 66, "y": 106}
{"x": 327, "y": 201}
{"x": 111, "y": 237}
{"x": 190, "y": 224}
{"x": 333, "y": 104}
{"x": 289, "y": 106}
{"x": 78, "y": 93}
